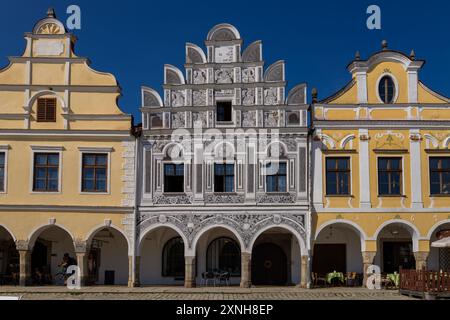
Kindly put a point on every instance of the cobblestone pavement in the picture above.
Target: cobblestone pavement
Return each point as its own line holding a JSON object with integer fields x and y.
{"x": 176, "y": 293}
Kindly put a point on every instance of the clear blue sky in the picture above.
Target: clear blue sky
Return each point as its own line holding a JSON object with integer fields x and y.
{"x": 134, "y": 39}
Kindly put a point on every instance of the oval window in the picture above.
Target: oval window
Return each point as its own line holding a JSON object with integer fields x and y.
{"x": 386, "y": 89}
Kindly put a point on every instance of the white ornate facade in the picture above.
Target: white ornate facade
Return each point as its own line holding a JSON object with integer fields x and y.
{"x": 264, "y": 126}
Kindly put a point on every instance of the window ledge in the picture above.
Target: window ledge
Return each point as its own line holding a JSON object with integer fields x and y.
{"x": 168, "y": 194}
{"x": 339, "y": 196}
{"x": 392, "y": 196}
{"x": 440, "y": 196}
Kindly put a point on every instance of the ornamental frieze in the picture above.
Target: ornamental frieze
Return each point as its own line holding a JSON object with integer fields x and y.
{"x": 246, "y": 225}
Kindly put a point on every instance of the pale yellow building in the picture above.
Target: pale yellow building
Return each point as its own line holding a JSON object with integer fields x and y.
{"x": 381, "y": 169}
{"x": 66, "y": 164}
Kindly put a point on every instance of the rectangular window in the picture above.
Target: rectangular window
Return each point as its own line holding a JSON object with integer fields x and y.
{"x": 174, "y": 178}
{"x": 224, "y": 111}
{"x": 94, "y": 173}
{"x": 390, "y": 176}
{"x": 224, "y": 178}
{"x": 46, "y": 172}
{"x": 46, "y": 110}
{"x": 338, "y": 176}
{"x": 440, "y": 175}
{"x": 2, "y": 172}
{"x": 276, "y": 177}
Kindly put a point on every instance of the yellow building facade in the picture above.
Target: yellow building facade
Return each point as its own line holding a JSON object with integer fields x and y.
{"x": 66, "y": 164}
{"x": 380, "y": 169}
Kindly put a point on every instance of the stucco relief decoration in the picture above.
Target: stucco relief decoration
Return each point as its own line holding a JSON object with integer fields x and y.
{"x": 172, "y": 200}
{"x": 199, "y": 76}
{"x": 248, "y": 75}
{"x": 224, "y": 76}
{"x": 247, "y": 225}
{"x": 200, "y": 117}
{"x": 271, "y": 119}
{"x": 248, "y": 97}
{"x": 178, "y": 99}
{"x": 270, "y": 97}
{"x": 389, "y": 140}
{"x": 178, "y": 120}
{"x": 199, "y": 98}
{"x": 249, "y": 118}
{"x": 49, "y": 28}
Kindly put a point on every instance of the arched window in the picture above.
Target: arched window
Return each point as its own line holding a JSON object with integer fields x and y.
{"x": 386, "y": 89}
{"x": 224, "y": 255}
{"x": 173, "y": 258}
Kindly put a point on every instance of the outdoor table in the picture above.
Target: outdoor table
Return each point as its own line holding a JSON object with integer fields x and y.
{"x": 335, "y": 275}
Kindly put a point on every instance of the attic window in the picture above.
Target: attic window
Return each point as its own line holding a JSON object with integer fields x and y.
{"x": 386, "y": 89}
{"x": 46, "y": 110}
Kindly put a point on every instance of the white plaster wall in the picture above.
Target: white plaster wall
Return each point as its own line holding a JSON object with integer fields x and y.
{"x": 151, "y": 258}
{"x": 343, "y": 235}
{"x": 114, "y": 257}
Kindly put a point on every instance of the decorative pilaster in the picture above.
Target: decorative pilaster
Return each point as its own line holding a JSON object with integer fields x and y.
{"x": 318, "y": 175}
{"x": 246, "y": 270}
{"x": 364, "y": 182}
{"x": 416, "y": 169}
{"x": 368, "y": 258}
{"x": 189, "y": 277}
{"x": 421, "y": 259}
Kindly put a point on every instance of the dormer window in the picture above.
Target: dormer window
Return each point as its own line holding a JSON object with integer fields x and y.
{"x": 386, "y": 90}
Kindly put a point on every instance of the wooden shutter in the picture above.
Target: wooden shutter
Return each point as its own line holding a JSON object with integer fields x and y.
{"x": 46, "y": 110}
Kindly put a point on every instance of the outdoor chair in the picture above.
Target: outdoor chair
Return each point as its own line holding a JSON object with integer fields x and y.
{"x": 225, "y": 278}
{"x": 351, "y": 280}
{"x": 208, "y": 277}
{"x": 316, "y": 279}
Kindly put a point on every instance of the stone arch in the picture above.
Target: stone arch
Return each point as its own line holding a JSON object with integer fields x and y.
{"x": 411, "y": 228}
{"x": 91, "y": 235}
{"x": 301, "y": 241}
{"x": 214, "y": 226}
{"x": 435, "y": 227}
{"x": 275, "y": 72}
{"x": 39, "y": 230}
{"x": 11, "y": 234}
{"x": 223, "y": 32}
{"x": 153, "y": 227}
{"x": 352, "y": 225}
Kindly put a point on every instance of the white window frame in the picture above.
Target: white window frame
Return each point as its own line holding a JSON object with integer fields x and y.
{"x": 350, "y": 177}
{"x": 163, "y": 176}
{"x": 286, "y": 161}
{"x": 4, "y": 149}
{"x": 91, "y": 150}
{"x": 397, "y": 89}
{"x": 46, "y": 149}
{"x": 403, "y": 194}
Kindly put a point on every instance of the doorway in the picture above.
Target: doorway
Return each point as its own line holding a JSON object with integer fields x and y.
{"x": 269, "y": 265}
{"x": 329, "y": 258}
